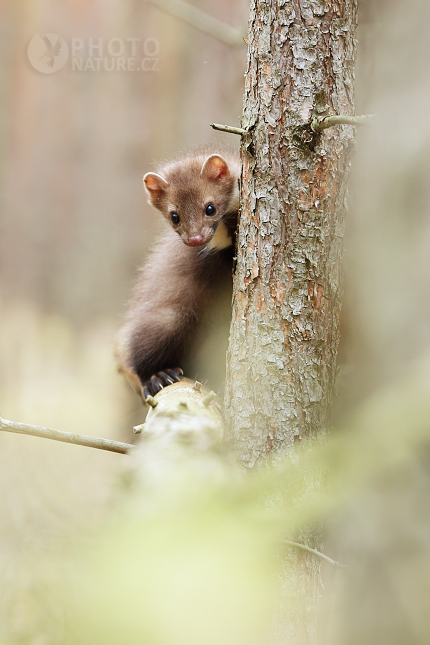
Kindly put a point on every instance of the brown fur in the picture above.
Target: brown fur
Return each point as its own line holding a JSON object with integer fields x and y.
{"x": 177, "y": 281}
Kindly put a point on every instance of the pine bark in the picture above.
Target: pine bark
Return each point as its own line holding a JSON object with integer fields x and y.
{"x": 287, "y": 285}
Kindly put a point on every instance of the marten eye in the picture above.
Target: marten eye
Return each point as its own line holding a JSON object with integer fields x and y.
{"x": 175, "y": 217}
{"x": 210, "y": 209}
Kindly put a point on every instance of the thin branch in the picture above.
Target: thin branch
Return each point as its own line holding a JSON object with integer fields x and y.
{"x": 228, "y": 128}
{"x": 201, "y": 20}
{"x": 320, "y": 123}
{"x": 67, "y": 437}
{"x": 314, "y": 552}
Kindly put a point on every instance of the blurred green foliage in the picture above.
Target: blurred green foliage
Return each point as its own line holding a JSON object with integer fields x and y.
{"x": 194, "y": 559}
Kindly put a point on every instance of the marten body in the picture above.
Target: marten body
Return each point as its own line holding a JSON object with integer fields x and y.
{"x": 198, "y": 197}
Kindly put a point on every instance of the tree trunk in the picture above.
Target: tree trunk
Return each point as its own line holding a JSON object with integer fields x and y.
{"x": 287, "y": 288}
{"x": 281, "y": 363}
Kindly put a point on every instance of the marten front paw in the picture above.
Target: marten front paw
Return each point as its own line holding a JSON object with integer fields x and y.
{"x": 160, "y": 380}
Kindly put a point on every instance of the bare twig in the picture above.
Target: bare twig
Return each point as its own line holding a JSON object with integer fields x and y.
{"x": 314, "y": 552}
{"x": 67, "y": 437}
{"x": 320, "y": 123}
{"x": 201, "y": 20}
{"x": 209, "y": 398}
{"x": 228, "y": 128}
{"x": 151, "y": 402}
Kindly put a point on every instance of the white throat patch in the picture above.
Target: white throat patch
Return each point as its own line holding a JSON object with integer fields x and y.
{"x": 221, "y": 239}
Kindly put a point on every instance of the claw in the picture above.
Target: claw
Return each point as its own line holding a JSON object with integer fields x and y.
{"x": 160, "y": 380}
{"x": 175, "y": 374}
{"x": 165, "y": 378}
{"x": 155, "y": 384}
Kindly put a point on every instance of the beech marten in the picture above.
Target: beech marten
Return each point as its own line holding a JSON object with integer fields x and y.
{"x": 198, "y": 195}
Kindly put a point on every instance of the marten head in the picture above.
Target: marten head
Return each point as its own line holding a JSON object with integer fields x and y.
{"x": 194, "y": 194}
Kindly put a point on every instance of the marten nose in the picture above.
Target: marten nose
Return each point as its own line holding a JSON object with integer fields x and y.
{"x": 196, "y": 240}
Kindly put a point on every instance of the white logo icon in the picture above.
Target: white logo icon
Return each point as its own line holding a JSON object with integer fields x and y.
{"x": 47, "y": 53}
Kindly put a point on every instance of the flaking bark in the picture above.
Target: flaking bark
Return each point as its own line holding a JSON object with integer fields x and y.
{"x": 287, "y": 287}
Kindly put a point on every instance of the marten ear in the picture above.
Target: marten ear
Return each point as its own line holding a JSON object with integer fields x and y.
{"x": 155, "y": 186}
{"x": 214, "y": 168}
